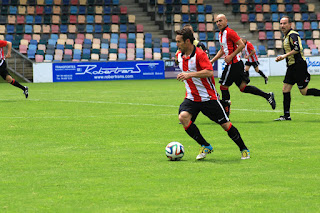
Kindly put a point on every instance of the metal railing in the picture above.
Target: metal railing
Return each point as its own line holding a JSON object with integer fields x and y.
{"x": 20, "y": 65}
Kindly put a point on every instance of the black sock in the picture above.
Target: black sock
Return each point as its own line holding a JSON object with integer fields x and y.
{"x": 194, "y": 133}
{"x": 314, "y": 92}
{"x": 262, "y": 74}
{"x": 246, "y": 73}
{"x": 225, "y": 94}
{"x": 255, "y": 91}
{"x": 286, "y": 103}
{"x": 17, "y": 84}
{"x": 236, "y": 137}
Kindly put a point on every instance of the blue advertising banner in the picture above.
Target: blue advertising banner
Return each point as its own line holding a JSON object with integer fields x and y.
{"x": 101, "y": 71}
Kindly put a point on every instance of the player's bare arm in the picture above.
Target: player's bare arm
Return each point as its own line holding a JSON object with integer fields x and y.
{"x": 218, "y": 55}
{"x": 9, "y": 46}
{"x": 281, "y": 57}
{"x": 200, "y": 74}
{"x": 240, "y": 45}
{"x": 252, "y": 52}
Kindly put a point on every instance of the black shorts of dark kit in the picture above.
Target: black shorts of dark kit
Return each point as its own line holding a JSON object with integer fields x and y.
{"x": 234, "y": 73}
{"x": 3, "y": 69}
{"x": 254, "y": 64}
{"x": 297, "y": 73}
{"x": 212, "y": 109}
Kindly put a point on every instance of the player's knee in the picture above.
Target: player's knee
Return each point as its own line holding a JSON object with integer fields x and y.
{"x": 226, "y": 126}
{"x": 184, "y": 117}
{"x": 223, "y": 87}
{"x": 303, "y": 92}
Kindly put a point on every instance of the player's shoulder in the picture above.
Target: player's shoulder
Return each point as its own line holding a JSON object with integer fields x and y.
{"x": 200, "y": 51}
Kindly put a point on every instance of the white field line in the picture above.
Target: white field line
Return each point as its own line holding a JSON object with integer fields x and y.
{"x": 159, "y": 105}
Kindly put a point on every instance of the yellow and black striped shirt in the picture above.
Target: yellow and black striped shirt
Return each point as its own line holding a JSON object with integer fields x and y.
{"x": 292, "y": 41}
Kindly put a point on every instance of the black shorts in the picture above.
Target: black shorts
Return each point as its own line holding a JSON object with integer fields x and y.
{"x": 212, "y": 109}
{"x": 3, "y": 69}
{"x": 234, "y": 73}
{"x": 298, "y": 73}
{"x": 254, "y": 64}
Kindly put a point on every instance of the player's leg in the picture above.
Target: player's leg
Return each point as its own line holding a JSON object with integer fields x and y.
{"x": 234, "y": 134}
{"x": 15, "y": 83}
{"x": 226, "y": 81}
{"x": 256, "y": 68}
{"x": 215, "y": 112}
{"x": 188, "y": 112}
{"x": 311, "y": 91}
{"x": 286, "y": 90}
{"x": 246, "y": 69}
{"x": 256, "y": 91}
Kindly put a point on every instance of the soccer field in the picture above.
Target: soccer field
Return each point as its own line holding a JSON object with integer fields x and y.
{"x": 100, "y": 147}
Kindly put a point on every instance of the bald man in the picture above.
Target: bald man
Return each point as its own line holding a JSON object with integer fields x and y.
{"x": 231, "y": 45}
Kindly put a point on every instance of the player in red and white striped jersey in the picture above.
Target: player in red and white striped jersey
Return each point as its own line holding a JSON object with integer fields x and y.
{"x": 3, "y": 67}
{"x": 252, "y": 59}
{"x": 231, "y": 46}
{"x": 201, "y": 94}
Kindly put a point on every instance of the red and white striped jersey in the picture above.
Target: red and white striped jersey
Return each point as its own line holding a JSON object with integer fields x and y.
{"x": 197, "y": 89}
{"x": 248, "y": 49}
{"x": 228, "y": 39}
{"x": 2, "y": 44}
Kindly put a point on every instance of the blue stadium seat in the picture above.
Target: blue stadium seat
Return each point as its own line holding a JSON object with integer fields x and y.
{"x": 13, "y": 10}
{"x": 107, "y": 10}
{"x": 305, "y": 17}
{"x": 185, "y": 18}
{"x": 28, "y": 29}
{"x": 314, "y": 25}
{"x": 314, "y": 52}
{"x": 89, "y": 28}
{"x": 38, "y": 19}
{"x": 301, "y": 34}
{"x": 48, "y": 57}
{"x": 269, "y": 35}
{"x": 10, "y": 29}
{"x": 160, "y": 10}
{"x": 123, "y": 28}
{"x": 122, "y": 56}
{"x": 49, "y": 2}
{"x": 29, "y": 19}
{"x": 212, "y": 50}
{"x": 107, "y": 19}
{"x": 289, "y": 8}
{"x": 299, "y": 25}
{"x": 274, "y": 8}
{"x": 82, "y": 10}
{"x": 208, "y": 9}
{"x": 98, "y": 28}
{"x": 202, "y": 36}
{"x": 275, "y": 17}
{"x": 200, "y": 8}
{"x": 34, "y": 42}
{"x": 60, "y": 46}
{"x": 64, "y": 28}
{"x": 201, "y": 18}
{"x": 48, "y": 10}
{"x": 90, "y": 19}
{"x": 252, "y": 17}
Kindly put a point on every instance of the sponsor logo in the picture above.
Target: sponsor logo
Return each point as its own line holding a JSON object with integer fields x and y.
{"x": 93, "y": 69}
{"x": 312, "y": 63}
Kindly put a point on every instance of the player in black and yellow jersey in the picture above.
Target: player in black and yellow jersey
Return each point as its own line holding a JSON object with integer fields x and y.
{"x": 297, "y": 69}
{"x": 196, "y": 42}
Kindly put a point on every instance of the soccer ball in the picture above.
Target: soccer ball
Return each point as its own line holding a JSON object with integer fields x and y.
{"x": 174, "y": 151}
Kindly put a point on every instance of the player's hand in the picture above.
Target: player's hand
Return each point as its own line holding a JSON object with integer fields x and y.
{"x": 228, "y": 58}
{"x": 279, "y": 58}
{"x": 8, "y": 55}
{"x": 183, "y": 76}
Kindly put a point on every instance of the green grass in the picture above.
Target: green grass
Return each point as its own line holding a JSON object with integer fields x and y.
{"x": 100, "y": 147}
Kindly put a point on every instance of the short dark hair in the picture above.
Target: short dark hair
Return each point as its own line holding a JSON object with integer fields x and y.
{"x": 186, "y": 34}
{"x": 289, "y": 19}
